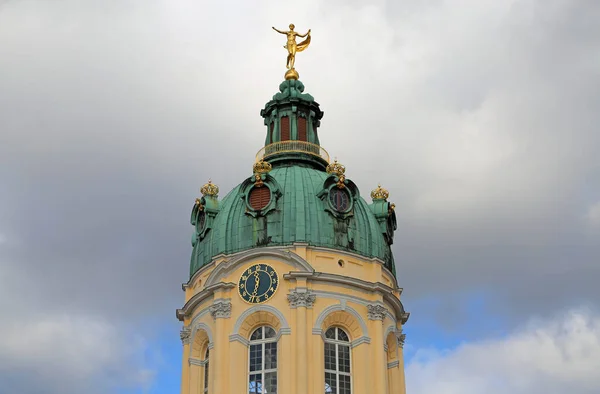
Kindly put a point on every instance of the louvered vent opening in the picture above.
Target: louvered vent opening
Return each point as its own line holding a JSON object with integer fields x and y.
{"x": 260, "y": 197}
{"x": 285, "y": 128}
{"x": 302, "y": 129}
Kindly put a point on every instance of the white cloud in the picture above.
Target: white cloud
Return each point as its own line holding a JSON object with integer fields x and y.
{"x": 554, "y": 356}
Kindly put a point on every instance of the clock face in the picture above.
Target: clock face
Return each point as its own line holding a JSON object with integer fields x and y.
{"x": 258, "y": 283}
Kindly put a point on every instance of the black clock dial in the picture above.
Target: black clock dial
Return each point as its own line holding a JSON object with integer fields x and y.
{"x": 258, "y": 283}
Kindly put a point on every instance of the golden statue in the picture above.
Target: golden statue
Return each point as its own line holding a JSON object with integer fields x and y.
{"x": 292, "y": 48}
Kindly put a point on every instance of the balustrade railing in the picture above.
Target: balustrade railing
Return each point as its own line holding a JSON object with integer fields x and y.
{"x": 292, "y": 146}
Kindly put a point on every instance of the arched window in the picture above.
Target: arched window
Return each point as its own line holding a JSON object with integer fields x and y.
{"x": 337, "y": 362}
{"x": 206, "y": 372}
{"x": 263, "y": 361}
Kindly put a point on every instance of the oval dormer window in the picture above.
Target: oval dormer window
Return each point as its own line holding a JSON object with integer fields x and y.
{"x": 259, "y": 198}
{"x": 339, "y": 199}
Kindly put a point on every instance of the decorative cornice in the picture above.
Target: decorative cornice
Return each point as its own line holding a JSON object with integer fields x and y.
{"x": 202, "y": 296}
{"x": 384, "y": 290}
{"x": 184, "y": 334}
{"x": 376, "y": 312}
{"x": 221, "y": 309}
{"x": 400, "y": 337}
{"x": 224, "y": 258}
{"x": 304, "y": 298}
{"x": 234, "y": 261}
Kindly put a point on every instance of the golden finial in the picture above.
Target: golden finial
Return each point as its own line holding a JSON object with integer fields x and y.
{"x": 380, "y": 193}
{"x": 210, "y": 189}
{"x": 293, "y": 48}
{"x": 336, "y": 168}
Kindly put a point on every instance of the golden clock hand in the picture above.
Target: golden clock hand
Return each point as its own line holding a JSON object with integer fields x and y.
{"x": 257, "y": 276}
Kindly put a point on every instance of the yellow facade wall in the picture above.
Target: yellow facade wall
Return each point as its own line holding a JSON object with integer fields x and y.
{"x": 349, "y": 291}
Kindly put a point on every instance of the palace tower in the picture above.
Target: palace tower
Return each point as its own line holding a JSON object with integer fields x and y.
{"x": 292, "y": 286}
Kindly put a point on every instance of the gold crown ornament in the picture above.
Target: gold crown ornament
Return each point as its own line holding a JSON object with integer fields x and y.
{"x": 336, "y": 168}
{"x": 210, "y": 189}
{"x": 261, "y": 167}
{"x": 380, "y": 193}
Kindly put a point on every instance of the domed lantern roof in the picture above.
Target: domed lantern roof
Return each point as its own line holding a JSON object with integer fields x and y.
{"x": 295, "y": 195}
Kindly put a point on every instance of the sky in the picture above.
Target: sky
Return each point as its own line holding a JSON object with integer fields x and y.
{"x": 480, "y": 117}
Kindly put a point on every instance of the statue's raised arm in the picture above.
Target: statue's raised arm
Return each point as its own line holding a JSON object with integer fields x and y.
{"x": 279, "y": 31}
{"x": 304, "y": 35}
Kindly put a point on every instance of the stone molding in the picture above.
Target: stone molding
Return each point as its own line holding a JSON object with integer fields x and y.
{"x": 184, "y": 335}
{"x": 201, "y": 326}
{"x": 246, "y": 342}
{"x": 221, "y": 309}
{"x": 393, "y": 364}
{"x": 301, "y": 298}
{"x": 339, "y": 307}
{"x": 195, "y": 361}
{"x": 259, "y": 308}
{"x": 376, "y": 312}
{"x": 360, "y": 341}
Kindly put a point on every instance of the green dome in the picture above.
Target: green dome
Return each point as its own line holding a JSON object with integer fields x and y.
{"x": 295, "y": 197}
{"x": 299, "y": 211}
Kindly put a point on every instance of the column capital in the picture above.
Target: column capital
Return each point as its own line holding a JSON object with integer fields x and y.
{"x": 376, "y": 312}
{"x": 400, "y": 337}
{"x": 304, "y": 299}
{"x": 221, "y": 309}
{"x": 184, "y": 335}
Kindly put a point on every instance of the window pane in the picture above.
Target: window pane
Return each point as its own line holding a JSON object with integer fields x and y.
{"x": 344, "y": 358}
{"x": 256, "y": 334}
{"x": 271, "y": 355}
{"x": 271, "y": 383}
{"x": 255, "y": 357}
{"x": 330, "y": 383}
{"x": 255, "y": 384}
{"x": 330, "y": 357}
{"x": 344, "y": 384}
{"x": 205, "y": 376}
{"x": 269, "y": 332}
{"x": 330, "y": 333}
{"x": 342, "y": 336}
